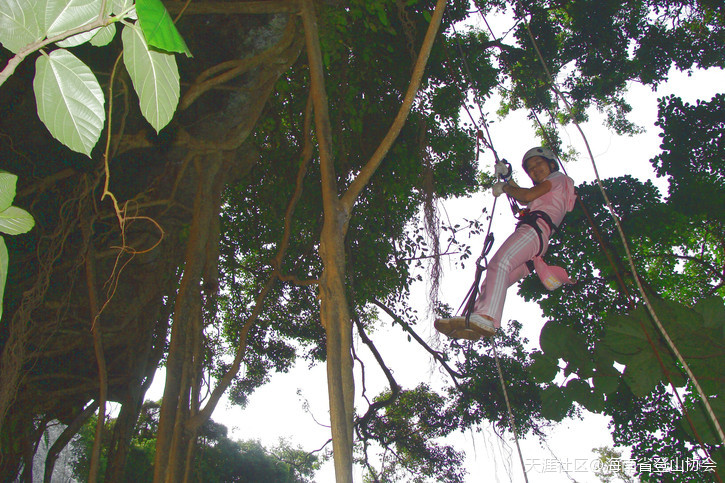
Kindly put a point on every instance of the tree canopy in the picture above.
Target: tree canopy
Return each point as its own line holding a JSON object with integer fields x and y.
{"x": 291, "y": 199}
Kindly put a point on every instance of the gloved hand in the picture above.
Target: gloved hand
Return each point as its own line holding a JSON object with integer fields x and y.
{"x": 498, "y": 188}
{"x": 501, "y": 169}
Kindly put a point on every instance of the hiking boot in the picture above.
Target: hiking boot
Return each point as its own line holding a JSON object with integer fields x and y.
{"x": 455, "y": 327}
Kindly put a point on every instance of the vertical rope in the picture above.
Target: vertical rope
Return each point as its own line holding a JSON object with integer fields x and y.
{"x": 474, "y": 289}
{"x": 512, "y": 422}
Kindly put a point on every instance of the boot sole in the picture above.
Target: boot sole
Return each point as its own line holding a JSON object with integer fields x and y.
{"x": 455, "y": 328}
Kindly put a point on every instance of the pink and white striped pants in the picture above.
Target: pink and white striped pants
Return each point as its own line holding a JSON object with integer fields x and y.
{"x": 507, "y": 267}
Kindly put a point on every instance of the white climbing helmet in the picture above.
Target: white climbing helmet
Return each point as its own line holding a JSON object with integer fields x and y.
{"x": 546, "y": 153}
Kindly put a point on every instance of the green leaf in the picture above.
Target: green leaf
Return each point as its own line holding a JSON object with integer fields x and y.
{"x": 64, "y": 15}
{"x": 578, "y": 390}
{"x": 552, "y": 339}
{"x": 158, "y": 28}
{"x": 605, "y": 383}
{"x": 125, "y": 8}
{"x": 15, "y": 221}
{"x": 4, "y": 259}
{"x": 104, "y": 36}
{"x": 19, "y": 24}
{"x": 702, "y": 421}
{"x": 155, "y": 77}
{"x": 70, "y": 100}
{"x": 712, "y": 310}
{"x": 554, "y": 403}
{"x": 8, "y": 182}
{"x": 698, "y": 336}
{"x": 581, "y": 392}
{"x": 98, "y": 37}
{"x": 78, "y": 39}
{"x": 642, "y": 373}
{"x": 562, "y": 342}
{"x": 543, "y": 368}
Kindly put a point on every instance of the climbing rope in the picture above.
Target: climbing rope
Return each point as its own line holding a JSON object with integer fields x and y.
{"x": 620, "y": 231}
{"x": 482, "y": 262}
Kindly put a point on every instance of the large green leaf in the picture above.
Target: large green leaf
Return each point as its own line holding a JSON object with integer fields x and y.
{"x": 559, "y": 341}
{"x": 15, "y": 221}
{"x": 70, "y": 100}
{"x": 712, "y": 310}
{"x": 606, "y": 383}
{"x": 19, "y": 24}
{"x": 7, "y": 189}
{"x": 154, "y": 75}
{"x": 697, "y": 334}
{"x": 543, "y": 368}
{"x": 702, "y": 421}
{"x": 158, "y": 28}
{"x": 3, "y": 271}
{"x": 554, "y": 403}
{"x": 64, "y": 15}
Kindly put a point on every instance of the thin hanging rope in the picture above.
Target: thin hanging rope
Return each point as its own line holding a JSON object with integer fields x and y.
{"x": 635, "y": 273}
{"x": 512, "y": 422}
{"x": 487, "y": 244}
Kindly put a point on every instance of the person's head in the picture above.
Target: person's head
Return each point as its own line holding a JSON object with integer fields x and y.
{"x": 539, "y": 162}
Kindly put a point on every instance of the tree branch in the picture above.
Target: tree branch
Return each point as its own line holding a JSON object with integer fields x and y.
{"x": 228, "y": 70}
{"x": 321, "y": 108}
{"x": 436, "y": 355}
{"x": 35, "y": 46}
{"x": 394, "y": 387}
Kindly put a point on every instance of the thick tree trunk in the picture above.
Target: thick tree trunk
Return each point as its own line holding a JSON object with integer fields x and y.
{"x": 334, "y": 312}
{"x": 335, "y": 316}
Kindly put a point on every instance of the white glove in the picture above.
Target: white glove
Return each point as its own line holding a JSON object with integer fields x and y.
{"x": 498, "y": 188}
{"x": 500, "y": 169}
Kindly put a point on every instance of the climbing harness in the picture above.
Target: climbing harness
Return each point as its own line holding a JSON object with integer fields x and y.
{"x": 531, "y": 218}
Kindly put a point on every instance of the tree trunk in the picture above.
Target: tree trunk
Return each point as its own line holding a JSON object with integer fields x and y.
{"x": 175, "y": 404}
{"x": 335, "y": 316}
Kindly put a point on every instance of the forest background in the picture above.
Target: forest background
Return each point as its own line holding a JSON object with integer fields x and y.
{"x": 242, "y": 287}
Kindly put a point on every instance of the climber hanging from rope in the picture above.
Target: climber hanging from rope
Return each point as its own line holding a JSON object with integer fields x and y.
{"x": 548, "y": 200}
